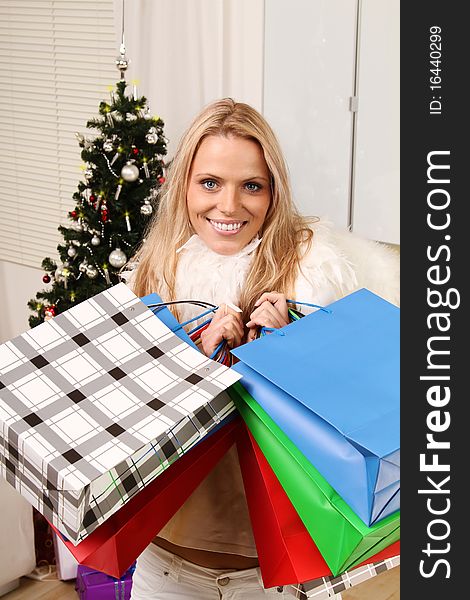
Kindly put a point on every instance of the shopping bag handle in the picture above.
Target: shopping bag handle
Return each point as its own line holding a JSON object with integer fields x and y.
{"x": 203, "y": 304}
{"x": 221, "y": 353}
{"x": 323, "y": 308}
{"x": 293, "y": 316}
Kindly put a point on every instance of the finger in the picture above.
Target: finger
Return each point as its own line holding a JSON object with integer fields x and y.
{"x": 230, "y": 328}
{"x": 234, "y": 321}
{"x": 279, "y": 302}
{"x": 272, "y": 297}
{"x": 231, "y": 335}
{"x": 232, "y": 309}
{"x": 264, "y": 321}
{"x": 228, "y": 309}
{"x": 209, "y": 342}
{"x": 269, "y": 314}
{"x": 219, "y": 313}
{"x": 252, "y": 333}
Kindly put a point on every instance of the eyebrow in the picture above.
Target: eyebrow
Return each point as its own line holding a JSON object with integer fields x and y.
{"x": 218, "y": 177}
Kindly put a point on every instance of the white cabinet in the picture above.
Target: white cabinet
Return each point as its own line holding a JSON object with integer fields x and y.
{"x": 376, "y": 193}
{"x": 317, "y": 55}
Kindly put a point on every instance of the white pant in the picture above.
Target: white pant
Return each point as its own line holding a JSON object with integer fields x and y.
{"x": 160, "y": 575}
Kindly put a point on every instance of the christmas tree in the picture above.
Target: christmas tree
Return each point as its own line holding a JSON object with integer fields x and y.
{"x": 123, "y": 172}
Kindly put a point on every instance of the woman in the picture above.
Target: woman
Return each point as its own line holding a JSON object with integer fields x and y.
{"x": 227, "y": 232}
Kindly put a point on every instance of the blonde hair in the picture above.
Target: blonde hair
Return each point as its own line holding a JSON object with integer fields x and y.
{"x": 276, "y": 263}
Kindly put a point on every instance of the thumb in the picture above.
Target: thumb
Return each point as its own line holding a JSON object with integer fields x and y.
{"x": 251, "y": 334}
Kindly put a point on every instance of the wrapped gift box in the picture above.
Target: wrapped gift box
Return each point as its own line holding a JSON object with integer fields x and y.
{"x": 93, "y": 585}
{"x": 96, "y": 403}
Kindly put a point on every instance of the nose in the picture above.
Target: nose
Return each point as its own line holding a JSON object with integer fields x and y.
{"x": 228, "y": 200}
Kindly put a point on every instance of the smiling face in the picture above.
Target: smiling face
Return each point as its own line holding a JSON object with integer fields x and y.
{"x": 228, "y": 192}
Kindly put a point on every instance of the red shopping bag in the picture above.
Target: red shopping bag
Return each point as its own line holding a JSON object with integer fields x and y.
{"x": 286, "y": 552}
{"x": 114, "y": 545}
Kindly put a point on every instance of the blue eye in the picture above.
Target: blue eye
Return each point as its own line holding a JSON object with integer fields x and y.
{"x": 209, "y": 184}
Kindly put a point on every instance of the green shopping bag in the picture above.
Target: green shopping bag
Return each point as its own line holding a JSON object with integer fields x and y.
{"x": 341, "y": 536}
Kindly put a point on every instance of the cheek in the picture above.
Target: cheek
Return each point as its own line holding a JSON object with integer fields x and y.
{"x": 261, "y": 210}
{"x": 193, "y": 203}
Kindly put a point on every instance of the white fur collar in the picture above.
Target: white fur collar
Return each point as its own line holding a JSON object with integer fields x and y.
{"x": 202, "y": 274}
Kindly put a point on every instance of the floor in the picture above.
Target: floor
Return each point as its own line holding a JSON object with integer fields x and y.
{"x": 382, "y": 587}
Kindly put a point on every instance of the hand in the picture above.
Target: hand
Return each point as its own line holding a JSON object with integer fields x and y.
{"x": 272, "y": 311}
{"x": 227, "y": 325}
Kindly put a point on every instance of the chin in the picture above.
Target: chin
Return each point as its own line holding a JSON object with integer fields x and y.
{"x": 225, "y": 247}
{"x": 221, "y": 245}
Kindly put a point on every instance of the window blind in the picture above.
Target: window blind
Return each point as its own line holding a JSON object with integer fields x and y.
{"x": 56, "y": 63}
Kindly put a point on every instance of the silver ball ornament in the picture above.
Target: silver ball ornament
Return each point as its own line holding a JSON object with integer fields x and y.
{"x": 91, "y": 272}
{"x": 152, "y": 137}
{"x": 117, "y": 258}
{"x": 82, "y": 267}
{"x": 129, "y": 172}
{"x": 72, "y": 251}
{"x": 108, "y": 146}
{"x": 95, "y": 240}
{"x": 146, "y": 208}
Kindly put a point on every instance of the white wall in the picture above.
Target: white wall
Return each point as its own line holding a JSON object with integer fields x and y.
{"x": 18, "y": 284}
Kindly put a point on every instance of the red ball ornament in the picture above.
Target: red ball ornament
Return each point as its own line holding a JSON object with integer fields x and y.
{"x": 135, "y": 151}
{"x": 73, "y": 214}
{"x": 46, "y": 278}
{"x": 92, "y": 198}
{"x": 161, "y": 180}
{"x": 50, "y": 310}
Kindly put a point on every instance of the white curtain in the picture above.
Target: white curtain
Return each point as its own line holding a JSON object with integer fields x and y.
{"x": 186, "y": 53}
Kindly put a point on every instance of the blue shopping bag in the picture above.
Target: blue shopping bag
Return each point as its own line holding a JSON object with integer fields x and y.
{"x": 331, "y": 382}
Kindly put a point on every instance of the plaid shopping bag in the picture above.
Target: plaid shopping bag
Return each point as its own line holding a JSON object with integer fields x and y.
{"x": 96, "y": 403}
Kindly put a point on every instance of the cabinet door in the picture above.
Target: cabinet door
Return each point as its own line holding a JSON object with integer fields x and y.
{"x": 376, "y": 195}
{"x": 308, "y": 80}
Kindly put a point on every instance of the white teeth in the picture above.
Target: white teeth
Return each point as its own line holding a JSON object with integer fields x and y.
{"x": 225, "y": 226}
